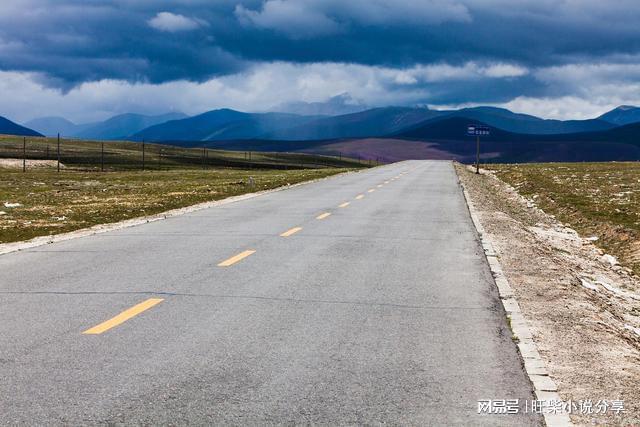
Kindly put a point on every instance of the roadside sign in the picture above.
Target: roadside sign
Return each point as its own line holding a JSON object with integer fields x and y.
{"x": 478, "y": 130}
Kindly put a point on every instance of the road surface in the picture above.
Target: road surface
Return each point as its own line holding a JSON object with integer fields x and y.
{"x": 363, "y": 298}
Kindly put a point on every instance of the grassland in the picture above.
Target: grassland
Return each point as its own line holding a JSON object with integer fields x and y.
{"x": 92, "y": 188}
{"x": 51, "y": 202}
{"x": 596, "y": 199}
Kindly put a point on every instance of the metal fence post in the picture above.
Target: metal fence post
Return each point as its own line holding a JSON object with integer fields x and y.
{"x": 159, "y": 157}
{"x": 58, "y": 152}
{"x": 24, "y": 154}
{"x": 102, "y": 157}
{"x": 143, "y": 155}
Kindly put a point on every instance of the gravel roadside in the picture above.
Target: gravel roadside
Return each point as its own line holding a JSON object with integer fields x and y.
{"x": 583, "y": 312}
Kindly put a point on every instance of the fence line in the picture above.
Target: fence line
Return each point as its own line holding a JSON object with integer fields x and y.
{"x": 109, "y": 156}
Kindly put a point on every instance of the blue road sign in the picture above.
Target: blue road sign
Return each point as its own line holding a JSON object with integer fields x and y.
{"x": 478, "y": 130}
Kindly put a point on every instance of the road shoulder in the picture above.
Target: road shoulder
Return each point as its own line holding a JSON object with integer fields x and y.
{"x": 582, "y": 334}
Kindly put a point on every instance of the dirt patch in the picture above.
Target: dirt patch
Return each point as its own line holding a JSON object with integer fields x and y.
{"x": 31, "y": 164}
{"x": 583, "y": 309}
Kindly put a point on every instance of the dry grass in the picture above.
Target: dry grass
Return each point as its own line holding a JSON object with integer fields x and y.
{"x": 596, "y": 199}
{"x": 51, "y": 202}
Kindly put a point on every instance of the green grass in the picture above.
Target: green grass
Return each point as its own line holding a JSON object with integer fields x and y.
{"x": 59, "y": 202}
{"x": 123, "y": 155}
{"x": 596, "y": 199}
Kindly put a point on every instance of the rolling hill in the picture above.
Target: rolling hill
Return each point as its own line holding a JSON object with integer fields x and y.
{"x": 374, "y": 122}
{"x": 623, "y": 115}
{"x": 121, "y": 126}
{"x": 524, "y": 123}
{"x": 221, "y": 125}
{"x": 51, "y": 126}
{"x": 7, "y": 127}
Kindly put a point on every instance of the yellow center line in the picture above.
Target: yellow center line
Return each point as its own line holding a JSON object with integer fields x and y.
{"x": 371, "y": 190}
{"x": 386, "y": 182}
{"x": 288, "y": 233}
{"x": 379, "y": 185}
{"x": 360, "y": 196}
{"x": 236, "y": 258}
{"x": 344, "y": 205}
{"x": 123, "y": 317}
{"x": 323, "y": 216}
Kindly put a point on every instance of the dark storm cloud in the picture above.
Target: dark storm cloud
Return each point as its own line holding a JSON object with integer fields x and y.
{"x": 71, "y": 41}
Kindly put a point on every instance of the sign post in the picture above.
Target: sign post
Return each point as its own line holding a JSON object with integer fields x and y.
{"x": 477, "y": 131}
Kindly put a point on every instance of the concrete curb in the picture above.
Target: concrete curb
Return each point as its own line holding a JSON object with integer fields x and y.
{"x": 544, "y": 387}
{"x": 6, "y": 248}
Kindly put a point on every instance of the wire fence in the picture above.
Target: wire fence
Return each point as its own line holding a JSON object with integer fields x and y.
{"x": 113, "y": 156}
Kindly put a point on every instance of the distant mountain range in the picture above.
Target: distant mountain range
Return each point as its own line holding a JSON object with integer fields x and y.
{"x": 220, "y": 125}
{"x": 225, "y": 124}
{"x": 122, "y": 126}
{"x": 614, "y": 135}
{"x": 337, "y": 105}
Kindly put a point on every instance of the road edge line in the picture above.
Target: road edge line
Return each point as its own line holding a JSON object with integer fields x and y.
{"x": 7, "y": 248}
{"x": 544, "y": 387}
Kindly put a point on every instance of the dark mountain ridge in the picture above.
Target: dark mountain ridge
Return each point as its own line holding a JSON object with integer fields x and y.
{"x": 7, "y": 127}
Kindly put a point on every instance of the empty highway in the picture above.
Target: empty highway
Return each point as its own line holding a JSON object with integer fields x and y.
{"x": 364, "y": 298}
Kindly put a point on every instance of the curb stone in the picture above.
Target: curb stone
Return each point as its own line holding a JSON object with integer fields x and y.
{"x": 6, "y": 248}
{"x": 544, "y": 387}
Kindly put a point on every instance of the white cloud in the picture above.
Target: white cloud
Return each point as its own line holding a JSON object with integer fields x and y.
{"x": 267, "y": 85}
{"x": 310, "y": 18}
{"x": 171, "y": 22}
{"x": 289, "y": 17}
{"x": 445, "y": 72}
{"x": 563, "y": 108}
{"x": 504, "y": 70}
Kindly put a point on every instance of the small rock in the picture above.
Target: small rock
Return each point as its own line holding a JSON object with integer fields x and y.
{"x": 609, "y": 259}
{"x": 2, "y": 213}
{"x": 12, "y": 205}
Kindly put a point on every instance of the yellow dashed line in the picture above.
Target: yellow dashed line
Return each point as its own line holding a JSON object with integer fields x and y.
{"x": 288, "y": 233}
{"x": 323, "y": 216}
{"x": 236, "y": 258}
{"x": 123, "y": 317}
{"x": 344, "y": 205}
{"x": 360, "y": 196}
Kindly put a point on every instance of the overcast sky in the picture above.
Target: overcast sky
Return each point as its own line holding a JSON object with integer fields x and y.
{"x": 86, "y": 60}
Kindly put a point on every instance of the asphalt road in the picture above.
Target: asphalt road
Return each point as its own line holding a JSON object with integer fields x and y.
{"x": 310, "y": 305}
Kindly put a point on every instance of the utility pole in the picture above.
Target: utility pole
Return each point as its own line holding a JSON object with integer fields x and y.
{"x": 143, "y": 154}
{"x": 102, "y": 157}
{"x": 24, "y": 154}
